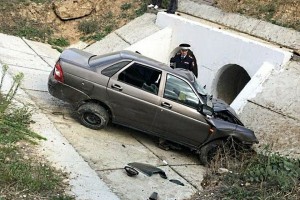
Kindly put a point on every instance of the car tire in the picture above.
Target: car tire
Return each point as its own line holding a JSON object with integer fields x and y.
{"x": 208, "y": 151}
{"x": 93, "y": 116}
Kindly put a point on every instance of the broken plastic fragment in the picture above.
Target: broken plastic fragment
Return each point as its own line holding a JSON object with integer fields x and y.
{"x": 177, "y": 182}
{"x": 153, "y": 196}
{"x": 148, "y": 169}
{"x": 131, "y": 171}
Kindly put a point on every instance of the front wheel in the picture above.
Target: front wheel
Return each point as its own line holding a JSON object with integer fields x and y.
{"x": 209, "y": 151}
{"x": 93, "y": 116}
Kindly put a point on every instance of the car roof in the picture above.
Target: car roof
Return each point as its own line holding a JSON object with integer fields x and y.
{"x": 88, "y": 60}
{"x": 125, "y": 55}
{"x": 129, "y": 55}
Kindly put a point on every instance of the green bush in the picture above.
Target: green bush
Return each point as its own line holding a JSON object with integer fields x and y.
{"x": 88, "y": 26}
{"x": 61, "y": 42}
{"x": 126, "y": 6}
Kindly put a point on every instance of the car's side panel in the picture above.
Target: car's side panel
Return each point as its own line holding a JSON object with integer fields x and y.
{"x": 132, "y": 106}
{"x": 180, "y": 123}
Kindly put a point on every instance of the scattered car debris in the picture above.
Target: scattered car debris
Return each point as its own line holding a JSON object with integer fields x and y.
{"x": 131, "y": 171}
{"x": 176, "y": 182}
{"x": 148, "y": 169}
{"x": 153, "y": 196}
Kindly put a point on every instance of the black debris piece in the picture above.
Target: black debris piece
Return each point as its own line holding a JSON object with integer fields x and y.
{"x": 147, "y": 169}
{"x": 177, "y": 182}
{"x": 131, "y": 171}
{"x": 153, "y": 196}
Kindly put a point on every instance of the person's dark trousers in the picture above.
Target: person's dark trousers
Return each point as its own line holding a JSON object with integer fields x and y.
{"x": 157, "y": 2}
{"x": 173, "y": 6}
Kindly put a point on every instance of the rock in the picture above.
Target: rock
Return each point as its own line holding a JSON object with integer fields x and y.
{"x": 73, "y": 9}
{"x": 222, "y": 171}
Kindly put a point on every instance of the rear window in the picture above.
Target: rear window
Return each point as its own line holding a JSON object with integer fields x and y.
{"x": 111, "y": 70}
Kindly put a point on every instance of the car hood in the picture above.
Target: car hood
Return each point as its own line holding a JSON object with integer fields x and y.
{"x": 220, "y": 105}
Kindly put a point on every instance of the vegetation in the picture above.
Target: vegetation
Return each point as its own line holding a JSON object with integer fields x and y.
{"x": 61, "y": 42}
{"x": 126, "y": 6}
{"x": 26, "y": 28}
{"x": 21, "y": 176}
{"x": 251, "y": 175}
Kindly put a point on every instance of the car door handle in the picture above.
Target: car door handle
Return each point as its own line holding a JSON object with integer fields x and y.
{"x": 117, "y": 87}
{"x": 167, "y": 105}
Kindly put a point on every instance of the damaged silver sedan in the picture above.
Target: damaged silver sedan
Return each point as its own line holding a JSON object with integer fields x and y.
{"x": 138, "y": 92}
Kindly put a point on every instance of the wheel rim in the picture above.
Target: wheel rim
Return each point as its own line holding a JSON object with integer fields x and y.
{"x": 91, "y": 118}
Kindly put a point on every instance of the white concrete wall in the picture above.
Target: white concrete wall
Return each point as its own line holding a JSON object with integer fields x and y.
{"x": 154, "y": 46}
{"x": 269, "y": 103}
{"x": 215, "y": 48}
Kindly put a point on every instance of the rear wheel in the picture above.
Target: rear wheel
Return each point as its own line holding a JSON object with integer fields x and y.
{"x": 209, "y": 151}
{"x": 93, "y": 116}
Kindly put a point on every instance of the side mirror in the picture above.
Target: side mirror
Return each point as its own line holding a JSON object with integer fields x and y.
{"x": 206, "y": 110}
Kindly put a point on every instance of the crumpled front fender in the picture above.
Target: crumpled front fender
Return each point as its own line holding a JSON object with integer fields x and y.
{"x": 224, "y": 129}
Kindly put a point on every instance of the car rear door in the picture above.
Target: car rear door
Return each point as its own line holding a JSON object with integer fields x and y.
{"x": 178, "y": 118}
{"x": 133, "y": 96}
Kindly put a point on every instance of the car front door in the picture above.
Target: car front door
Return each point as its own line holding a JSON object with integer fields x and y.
{"x": 178, "y": 118}
{"x": 133, "y": 96}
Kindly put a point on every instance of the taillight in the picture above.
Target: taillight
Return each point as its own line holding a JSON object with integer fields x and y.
{"x": 58, "y": 72}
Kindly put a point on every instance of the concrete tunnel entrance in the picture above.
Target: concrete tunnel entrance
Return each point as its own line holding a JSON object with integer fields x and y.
{"x": 232, "y": 79}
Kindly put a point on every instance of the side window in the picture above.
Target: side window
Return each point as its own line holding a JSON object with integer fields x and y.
{"x": 142, "y": 77}
{"x": 180, "y": 91}
{"x": 111, "y": 70}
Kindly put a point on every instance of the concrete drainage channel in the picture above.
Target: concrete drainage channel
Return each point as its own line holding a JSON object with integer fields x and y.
{"x": 108, "y": 151}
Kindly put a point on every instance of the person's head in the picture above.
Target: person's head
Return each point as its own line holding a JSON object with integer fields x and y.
{"x": 184, "y": 49}
{"x": 183, "y": 52}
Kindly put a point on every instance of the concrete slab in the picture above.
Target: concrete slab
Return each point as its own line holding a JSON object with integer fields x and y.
{"x": 110, "y": 43}
{"x": 33, "y": 79}
{"x": 50, "y": 62}
{"x": 43, "y": 50}
{"x": 79, "y": 45}
{"x": 142, "y": 186}
{"x": 14, "y": 43}
{"x": 247, "y": 24}
{"x": 200, "y": 10}
{"x": 115, "y": 146}
{"x": 283, "y": 85}
{"x": 279, "y": 132}
{"x": 50, "y": 104}
{"x": 172, "y": 157}
{"x": 188, "y": 173}
{"x": 278, "y": 34}
{"x": 16, "y": 58}
{"x": 138, "y": 28}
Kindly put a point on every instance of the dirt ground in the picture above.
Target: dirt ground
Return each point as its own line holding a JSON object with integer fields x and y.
{"x": 37, "y": 20}
{"x": 281, "y": 12}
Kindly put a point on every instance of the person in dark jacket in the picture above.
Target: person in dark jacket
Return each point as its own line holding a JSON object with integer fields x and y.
{"x": 173, "y": 5}
{"x": 184, "y": 59}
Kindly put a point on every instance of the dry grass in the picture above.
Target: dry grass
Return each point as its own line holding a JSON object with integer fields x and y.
{"x": 251, "y": 175}
{"x": 281, "y": 12}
